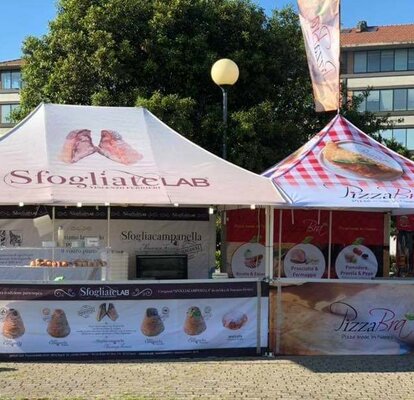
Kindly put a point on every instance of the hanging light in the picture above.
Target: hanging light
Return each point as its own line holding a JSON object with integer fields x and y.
{"x": 79, "y": 204}
{"x": 211, "y": 210}
{"x": 252, "y": 206}
{"x": 21, "y": 204}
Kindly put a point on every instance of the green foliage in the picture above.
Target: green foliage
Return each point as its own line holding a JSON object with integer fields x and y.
{"x": 158, "y": 54}
{"x": 179, "y": 112}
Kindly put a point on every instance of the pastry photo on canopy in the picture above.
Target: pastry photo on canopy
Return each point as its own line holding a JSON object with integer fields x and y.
{"x": 78, "y": 145}
{"x": 359, "y": 161}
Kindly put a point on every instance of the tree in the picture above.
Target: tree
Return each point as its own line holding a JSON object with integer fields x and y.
{"x": 158, "y": 53}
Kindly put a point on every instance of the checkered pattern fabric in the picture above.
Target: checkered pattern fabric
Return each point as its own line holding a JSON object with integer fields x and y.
{"x": 305, "y": 167}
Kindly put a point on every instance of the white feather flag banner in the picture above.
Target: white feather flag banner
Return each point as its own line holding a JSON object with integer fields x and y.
{"x": 319, "y": 21}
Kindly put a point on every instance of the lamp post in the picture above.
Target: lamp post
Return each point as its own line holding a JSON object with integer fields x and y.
{"x": 224, "y": 73}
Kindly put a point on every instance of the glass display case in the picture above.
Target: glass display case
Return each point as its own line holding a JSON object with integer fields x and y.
{"x": 56, "y": 263}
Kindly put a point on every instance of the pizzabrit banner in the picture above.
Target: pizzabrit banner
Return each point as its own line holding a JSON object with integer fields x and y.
{"x": 322, "y": 318}
{"x": 132, "y": 320}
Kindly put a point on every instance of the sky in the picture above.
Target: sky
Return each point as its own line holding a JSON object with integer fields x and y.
{"x": 21, "y": 18}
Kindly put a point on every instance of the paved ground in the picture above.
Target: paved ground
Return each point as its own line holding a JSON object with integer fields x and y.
{"x": 333, "y": 377}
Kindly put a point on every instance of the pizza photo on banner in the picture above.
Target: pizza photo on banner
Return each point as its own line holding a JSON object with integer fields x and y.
{"x": 322, "y": 318}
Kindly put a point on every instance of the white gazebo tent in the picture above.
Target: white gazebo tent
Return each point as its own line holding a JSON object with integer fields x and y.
{"x": 67, "y": 155}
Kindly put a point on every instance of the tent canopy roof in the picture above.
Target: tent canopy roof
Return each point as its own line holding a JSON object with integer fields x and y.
{"x": 343, "y": 168}
{"x": 65, "y": 154}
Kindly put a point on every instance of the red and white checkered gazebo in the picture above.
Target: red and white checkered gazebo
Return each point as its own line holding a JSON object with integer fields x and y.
{"x": 362, "y": 174}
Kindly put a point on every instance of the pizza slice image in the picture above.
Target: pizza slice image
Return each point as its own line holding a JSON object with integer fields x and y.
{"x": 358, "y": 163}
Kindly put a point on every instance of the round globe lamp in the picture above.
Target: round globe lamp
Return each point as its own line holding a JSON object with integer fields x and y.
{"x": 224, "y": 73}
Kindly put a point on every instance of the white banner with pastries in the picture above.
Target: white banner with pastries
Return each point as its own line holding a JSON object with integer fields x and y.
{"x": 132, "y": 318}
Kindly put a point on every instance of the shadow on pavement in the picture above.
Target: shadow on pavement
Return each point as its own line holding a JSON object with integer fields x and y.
{"x": 317, "y": 364}
{"x": 346, "y": 364}
{"x": 7, "y": 369}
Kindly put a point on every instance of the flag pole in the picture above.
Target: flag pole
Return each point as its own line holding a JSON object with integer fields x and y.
{"x": 339, "y": 61}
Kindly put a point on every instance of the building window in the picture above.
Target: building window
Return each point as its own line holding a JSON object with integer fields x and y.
{"x": 410, "y": 99}
{"x": 383, "y": 60}
{"x": 410, "y": 138}
{"x": 400, "y": 99}
{"x": 387, "y": 100}
{"x": 404, "y": 136}
{"x": 360, "y": 61}
{"x": 5, "y": 112}
{"x": 401, "y": 60}
{"x": 411, "y": 59}
{"x": 400, "y": 136}
{"x": 374, "y": 61}
{"x": 373, "y": 101}
{"x": 387, "y": 60}
{"x": 11, "y": 80}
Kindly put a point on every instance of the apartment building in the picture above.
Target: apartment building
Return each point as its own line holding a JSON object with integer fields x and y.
{"x": 382, "y": 58}
{"x": 10, "y": 85}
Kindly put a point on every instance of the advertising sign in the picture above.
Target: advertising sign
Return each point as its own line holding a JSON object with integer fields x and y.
{"x": 345, "y": 318}
{"x": 319, "y": 20}
{"x": 103, "y": 320}
{"x": 343, "y": 168}
{"x": 357, "y": 244}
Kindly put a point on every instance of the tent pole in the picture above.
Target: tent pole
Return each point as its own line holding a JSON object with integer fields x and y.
{"x": 53, "y": 232}
{"x": 330, "y": 245}
{"x": 108, "y": 227}
{"x": 53, "y": 223}
{"x": 269, "y": 241}
{"x": 279, "y": 268}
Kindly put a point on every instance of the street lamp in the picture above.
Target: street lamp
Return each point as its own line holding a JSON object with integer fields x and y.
{"x": 224, "y": 73}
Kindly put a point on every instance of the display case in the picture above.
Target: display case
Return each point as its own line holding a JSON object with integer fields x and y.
{"x": 56, "y": 263}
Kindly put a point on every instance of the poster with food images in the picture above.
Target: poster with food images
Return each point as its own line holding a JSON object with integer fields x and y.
{"x": 358, "y": 245}
{"x": 330, "y": 317}
{"x": 133, "y": 319}
{"x": 305, "y": 235}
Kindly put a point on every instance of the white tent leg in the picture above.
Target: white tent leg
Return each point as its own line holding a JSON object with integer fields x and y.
{"x": 330, "y": 245}
{"x": 108, "y": 228}
{"x": 269, "y": 241}
{"x": 279, "y": 261}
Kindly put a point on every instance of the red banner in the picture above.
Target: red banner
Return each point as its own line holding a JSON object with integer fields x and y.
{"x": 356, "y": 248}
